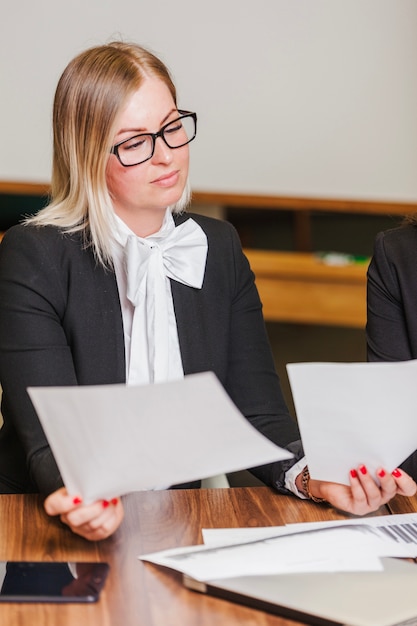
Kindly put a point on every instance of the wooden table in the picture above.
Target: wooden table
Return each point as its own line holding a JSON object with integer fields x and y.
{"x": 138, "y": 593}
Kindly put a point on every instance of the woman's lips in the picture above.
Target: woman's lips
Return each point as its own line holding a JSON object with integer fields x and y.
{"x": 167, "y": 180}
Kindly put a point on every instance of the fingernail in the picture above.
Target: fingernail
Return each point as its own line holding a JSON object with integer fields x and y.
{"x": 105, "y": 504}
{"x": 381, "y": 473}
{"x": 114, "y": 501}
{"x": 353, "y": 473}
{"x": 77, "y": 500}
{"x": 396, "y": 473}
{"x": 363, "y": 469}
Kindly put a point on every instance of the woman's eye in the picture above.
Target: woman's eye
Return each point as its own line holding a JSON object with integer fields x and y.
{"x": 174, "y": 128}
{"x": 134, "y": 144}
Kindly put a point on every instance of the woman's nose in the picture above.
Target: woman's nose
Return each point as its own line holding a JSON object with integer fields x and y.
{"x": 162, "y": 152}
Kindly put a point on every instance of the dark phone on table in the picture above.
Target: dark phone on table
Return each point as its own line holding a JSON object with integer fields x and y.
{"x": 45, "y": 581}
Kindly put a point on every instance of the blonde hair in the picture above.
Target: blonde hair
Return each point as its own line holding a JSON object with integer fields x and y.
{"x": 90, "y": 93}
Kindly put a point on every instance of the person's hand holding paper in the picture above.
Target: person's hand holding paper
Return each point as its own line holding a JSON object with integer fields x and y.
{"x": 355, "y": 413}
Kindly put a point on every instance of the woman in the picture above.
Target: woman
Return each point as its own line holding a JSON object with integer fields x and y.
{"x": 392, "y": 301}
{"x": 113, "y": 282}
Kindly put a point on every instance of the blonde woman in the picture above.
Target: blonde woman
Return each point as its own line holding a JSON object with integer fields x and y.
{"x": 114, "y": 283}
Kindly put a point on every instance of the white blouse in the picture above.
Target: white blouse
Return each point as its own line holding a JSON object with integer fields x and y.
{"x": 143, "y": 267}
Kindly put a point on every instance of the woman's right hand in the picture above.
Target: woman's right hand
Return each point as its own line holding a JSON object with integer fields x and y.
{"x": 364, "y": 495}
{"x": 94, "y": 521}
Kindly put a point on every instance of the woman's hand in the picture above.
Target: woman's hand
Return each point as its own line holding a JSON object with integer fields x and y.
{"x": 364, "y": 495}
{"x": 92, "y": 521}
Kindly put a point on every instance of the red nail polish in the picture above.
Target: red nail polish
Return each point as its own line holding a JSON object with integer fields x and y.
{"x": 396, "y": 473}
{"x": 353, "y": 473}
{"x": 114, "y": 501}
{"x": 381, "y": 473}
{"x": 105, "y": 504}
{"x": 77, "y": 500}
{"x": 363, "y": 469}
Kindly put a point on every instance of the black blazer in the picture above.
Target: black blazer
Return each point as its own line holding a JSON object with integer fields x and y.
{"x": 391, "y": 328}
{"x": 392, "y": 296}
{"x": 61, "y": 324}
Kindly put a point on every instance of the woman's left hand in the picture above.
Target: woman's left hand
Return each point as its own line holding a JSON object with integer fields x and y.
{"x": 364, "y": 495}
{"x": 94, "y": 521}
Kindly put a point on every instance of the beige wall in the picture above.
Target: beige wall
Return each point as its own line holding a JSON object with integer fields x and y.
{"x": 303, "y": 98}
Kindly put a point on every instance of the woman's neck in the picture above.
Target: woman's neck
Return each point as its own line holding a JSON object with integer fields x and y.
{"x": 144, "y": 223}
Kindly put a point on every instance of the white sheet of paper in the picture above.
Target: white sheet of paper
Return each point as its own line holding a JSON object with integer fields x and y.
{"x": 355, "y": 413}
{"x": 397, "y": 533}
{"x": 109, "y": 440}
{"x": 339, "y": 549}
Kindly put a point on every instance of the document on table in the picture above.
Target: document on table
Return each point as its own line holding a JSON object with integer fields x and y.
{"x": 355, "y": 413}
{"x": 336, "y": 546}
{"x": 401, "y": 528}
{"x": 109, "y": 440}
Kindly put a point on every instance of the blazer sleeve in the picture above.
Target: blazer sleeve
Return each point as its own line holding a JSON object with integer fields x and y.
{"x": 388, "y": 330}
{"x": 392, "y": 304}
{"x": 252, "y": 380}
{"x": 34, "y": 350}
{"x": 249, "y": 375}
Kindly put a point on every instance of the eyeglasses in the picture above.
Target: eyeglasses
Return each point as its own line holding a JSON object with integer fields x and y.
{"x": 141, "y": 148}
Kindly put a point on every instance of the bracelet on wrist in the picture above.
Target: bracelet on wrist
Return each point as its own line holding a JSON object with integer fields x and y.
{"x": 305, "y": 486}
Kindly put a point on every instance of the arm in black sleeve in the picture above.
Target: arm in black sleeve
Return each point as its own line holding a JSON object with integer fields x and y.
{"x": 392, "y": 303}
{"x": 34, "y": 350}
{"x": 252, "y": 380}
{"x": 388, "y": 330}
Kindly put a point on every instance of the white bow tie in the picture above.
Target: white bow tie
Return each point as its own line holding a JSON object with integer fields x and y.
{"x": 179, "y": 253}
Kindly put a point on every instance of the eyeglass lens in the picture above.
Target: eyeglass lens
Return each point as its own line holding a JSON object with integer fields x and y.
{"x": 140, "y": 148}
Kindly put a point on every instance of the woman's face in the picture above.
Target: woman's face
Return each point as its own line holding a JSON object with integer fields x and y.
{"x": 147, "y": 188}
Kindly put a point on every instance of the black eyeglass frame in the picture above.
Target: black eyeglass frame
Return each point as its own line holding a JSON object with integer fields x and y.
{"x": 115, "y": 149}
